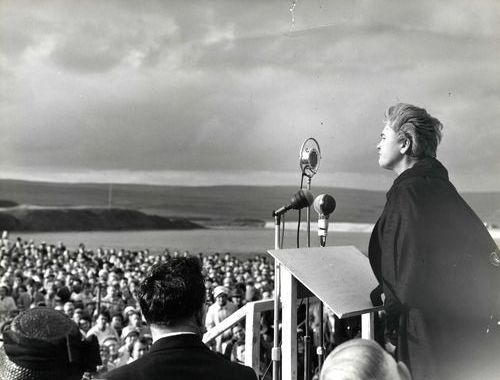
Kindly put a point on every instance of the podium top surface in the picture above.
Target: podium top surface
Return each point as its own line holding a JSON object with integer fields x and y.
{"x": 341, "y": 277}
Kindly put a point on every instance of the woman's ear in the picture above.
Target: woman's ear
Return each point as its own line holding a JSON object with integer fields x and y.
{"x": 405, "y": 146}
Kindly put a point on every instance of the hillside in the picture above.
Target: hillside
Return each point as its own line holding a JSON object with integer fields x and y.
{"x": 86, "y": 219}
{"x": 228, "y": 203}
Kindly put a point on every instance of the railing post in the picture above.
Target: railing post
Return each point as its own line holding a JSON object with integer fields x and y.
{"x": 252, "y": 338}
{"x": 289, "y": 324}
{"x": 367, "y": 326}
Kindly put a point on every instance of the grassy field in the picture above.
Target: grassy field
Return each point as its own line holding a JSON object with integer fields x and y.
{"x": 217, "y": 202}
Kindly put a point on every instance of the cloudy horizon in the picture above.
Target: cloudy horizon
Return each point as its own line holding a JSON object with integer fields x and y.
{"x": 225, "y": 92}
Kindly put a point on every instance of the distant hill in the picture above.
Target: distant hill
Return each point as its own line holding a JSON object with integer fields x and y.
{"x": 229, "y": 203}
{"x": 4, "y": 203}
{"x": 86, "y": 219}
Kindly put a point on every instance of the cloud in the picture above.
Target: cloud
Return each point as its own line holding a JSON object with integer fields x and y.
{"x": 232, "y": 85}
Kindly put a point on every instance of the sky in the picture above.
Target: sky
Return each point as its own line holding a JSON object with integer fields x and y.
{"x": 225, "y": 92}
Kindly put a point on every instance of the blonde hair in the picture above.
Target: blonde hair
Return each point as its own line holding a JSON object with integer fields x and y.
{"x": 416, "y": 125}
{"x": 359, "y": 359}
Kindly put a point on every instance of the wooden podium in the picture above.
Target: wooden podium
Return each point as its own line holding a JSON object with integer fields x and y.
{"x": 341, "y": 277}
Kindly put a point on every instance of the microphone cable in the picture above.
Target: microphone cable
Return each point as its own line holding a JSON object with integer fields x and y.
{"x": 271, "y": 361}
{"x": 283, "y": 229}
{"x": 300, "y": 213}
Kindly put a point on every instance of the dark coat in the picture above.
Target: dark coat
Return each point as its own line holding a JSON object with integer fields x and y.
{"x": 432, "y": 257}
{"x": 181, "y": 357}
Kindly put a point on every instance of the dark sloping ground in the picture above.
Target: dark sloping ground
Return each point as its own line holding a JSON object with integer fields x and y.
{"x": 86, "y": 219}
{"x": 232, "y": 204}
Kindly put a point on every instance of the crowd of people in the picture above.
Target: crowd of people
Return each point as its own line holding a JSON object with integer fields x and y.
{"x": 96, "y": 288}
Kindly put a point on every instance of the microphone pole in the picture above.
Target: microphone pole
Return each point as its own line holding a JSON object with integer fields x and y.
{"x": 309, "y": 159}
{"x": 324, "y": 205}
{"x": 276, "y": 350}
{"x": 320, "y": 350}
{"x": 307, "y": 336}
{"x": 308, "y": 216}
{"x": 303, "y": 198}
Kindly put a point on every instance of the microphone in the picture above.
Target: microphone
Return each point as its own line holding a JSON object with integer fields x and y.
{"x": 302, "y": 198}
{"x": 309, "y": 157}
{"x": 324, "y": 205}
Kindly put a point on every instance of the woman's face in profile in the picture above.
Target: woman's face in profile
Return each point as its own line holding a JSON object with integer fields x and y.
{"x": 389, "y": 149}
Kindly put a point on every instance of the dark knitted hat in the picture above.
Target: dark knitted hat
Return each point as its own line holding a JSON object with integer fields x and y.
{"x": 44, "y": 343}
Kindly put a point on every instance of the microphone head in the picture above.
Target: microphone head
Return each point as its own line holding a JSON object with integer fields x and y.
{"x": 302, "y": 198}
{"x": 324, "y": 204}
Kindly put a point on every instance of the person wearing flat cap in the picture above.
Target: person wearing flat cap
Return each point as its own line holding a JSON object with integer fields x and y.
{"x": 220, "y": 310}
{"x": 45, "y": 344}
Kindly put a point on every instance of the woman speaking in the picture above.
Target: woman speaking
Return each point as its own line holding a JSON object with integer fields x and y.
{"x": 436, "y": 263}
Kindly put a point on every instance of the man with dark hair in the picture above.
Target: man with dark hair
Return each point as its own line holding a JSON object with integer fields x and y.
{"x": 172, "y": 299}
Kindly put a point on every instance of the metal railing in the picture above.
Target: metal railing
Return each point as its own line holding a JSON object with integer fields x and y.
{"x": 251, "y": 312}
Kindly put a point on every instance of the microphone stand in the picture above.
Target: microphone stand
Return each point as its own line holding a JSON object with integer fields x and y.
{"x": 320, "y": 349}
{"x": 276, "y": 350}
{"x": 307, "y": 337}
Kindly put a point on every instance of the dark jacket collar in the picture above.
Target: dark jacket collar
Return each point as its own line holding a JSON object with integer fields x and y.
{"x": 428, "y": 167}
{"x": 177, "y": 341}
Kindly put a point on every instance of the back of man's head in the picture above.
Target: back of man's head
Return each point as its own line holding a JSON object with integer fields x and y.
{"x": 172, "y": 292}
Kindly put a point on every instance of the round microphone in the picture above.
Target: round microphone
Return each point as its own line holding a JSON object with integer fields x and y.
{"x": 302, "y": 198}
{"x": 324, "y": 204}
{"x": 309, "y": 157}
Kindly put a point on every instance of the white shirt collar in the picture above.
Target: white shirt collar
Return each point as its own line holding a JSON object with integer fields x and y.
{"x": 177, "y": 333}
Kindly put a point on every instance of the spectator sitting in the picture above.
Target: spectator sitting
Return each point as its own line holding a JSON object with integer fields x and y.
{"x": 23, "y": 299}
{"x": 117, "y": 323}
{"x": 84, "y": 324}
{"x": 113, "y": 300}
{"x": 128, "y": 344}
{"x": 102, "y": 329}
{"x": 69, "y": 309}
{"x": 56, "y": 351}
{"x": 251, "y": 293}
{"x": 113, "y": 346}
{"x": 362, "y": 359}
{"x": 219, "y": 311}
{"x": 7, "y": 304}
{"x": 235, "y": 350}
{"x": 33, "y": 286}
{"x": 77, "y": 315}
{"x": 127, "y": 312}
{"x": 138, "y": 349}
{"x": 135, "y": 323}
{"x": 237, "y": 297}
{"x": 106, "y": 364}
{"x": 172, "y": 298}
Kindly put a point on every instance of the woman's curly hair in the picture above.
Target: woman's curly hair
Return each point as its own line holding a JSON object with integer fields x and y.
{"x": 418, "y": 126}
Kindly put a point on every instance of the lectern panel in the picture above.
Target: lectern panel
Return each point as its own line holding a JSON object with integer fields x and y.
{"x": 341, "y": 277}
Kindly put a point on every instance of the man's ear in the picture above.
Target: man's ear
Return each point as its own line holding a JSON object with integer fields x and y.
{"x": 200, "y": 315}
{"x": 199, "y": 318}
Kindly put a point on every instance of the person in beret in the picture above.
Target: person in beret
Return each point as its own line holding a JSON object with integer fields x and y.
{"x": 45, "y": 344}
